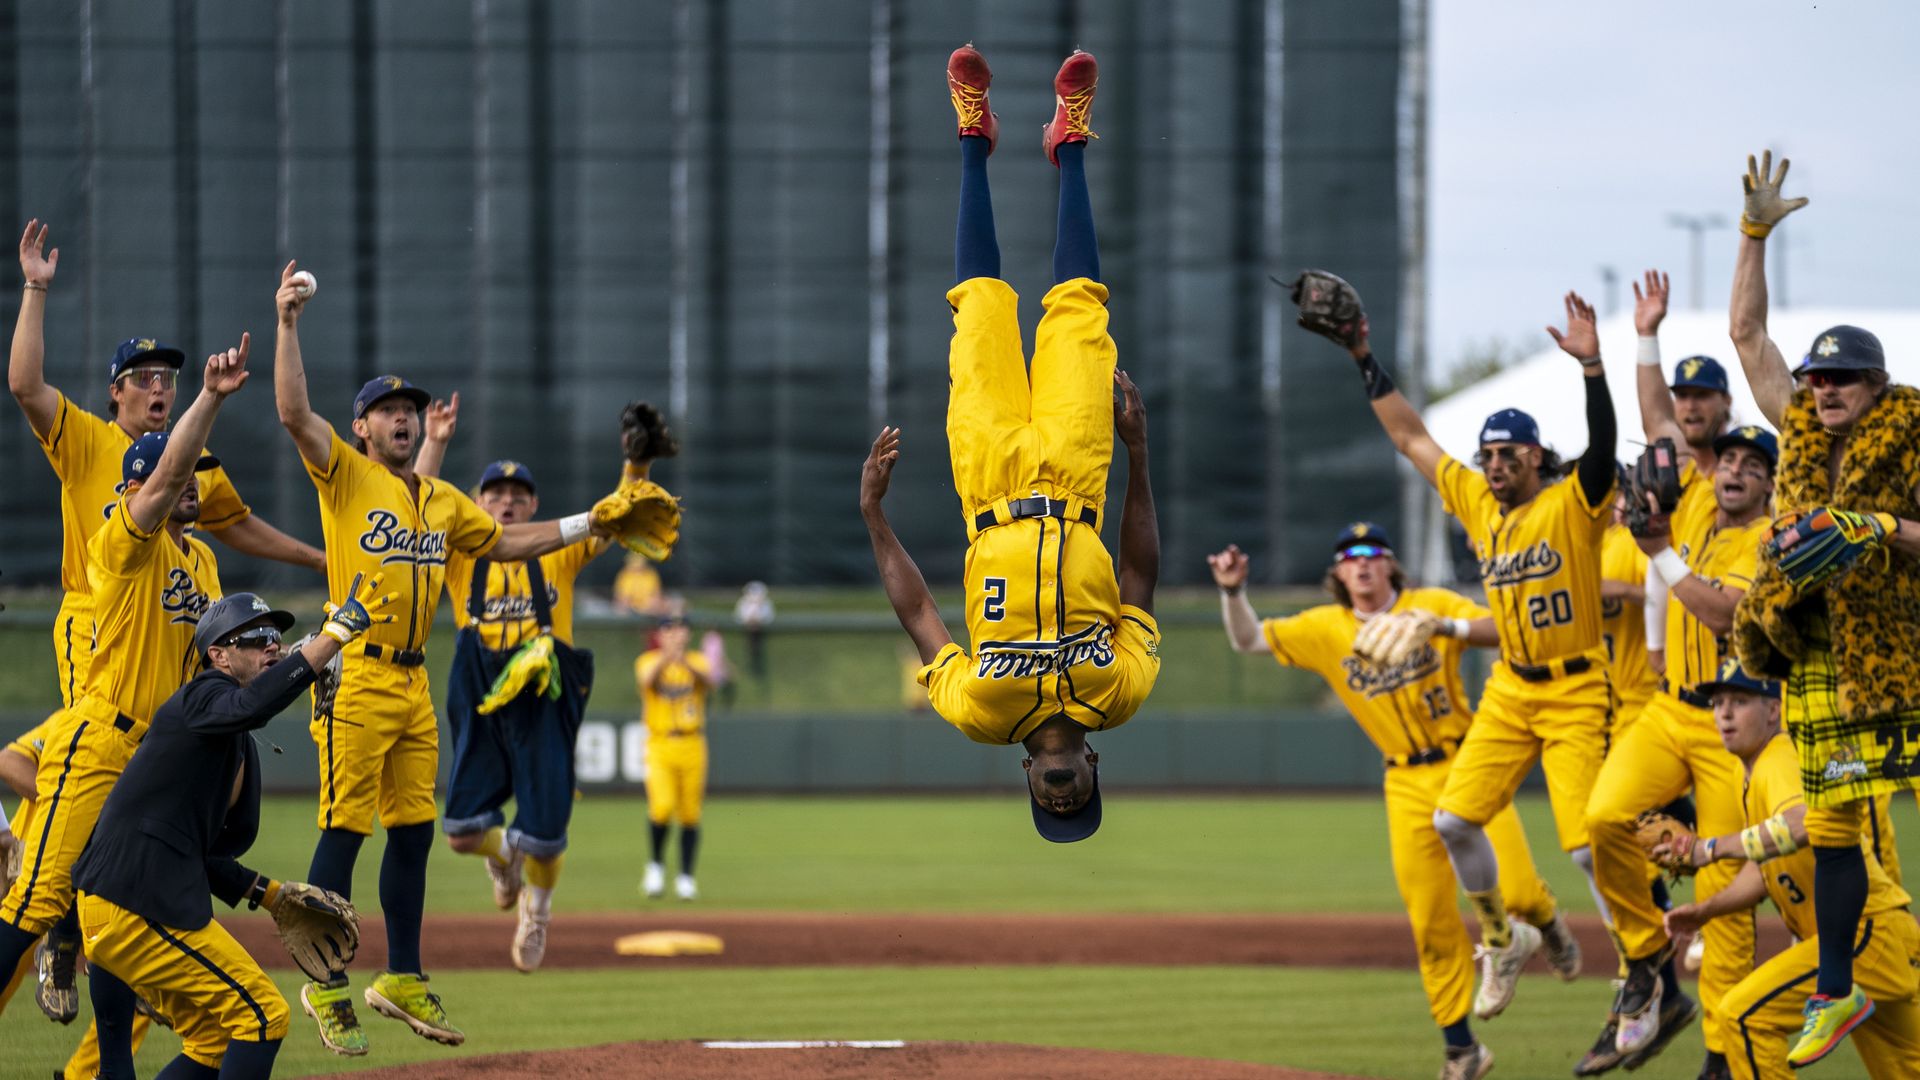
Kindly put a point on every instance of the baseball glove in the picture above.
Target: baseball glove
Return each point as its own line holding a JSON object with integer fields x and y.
{"x": 644, "y": 435}
{"x": 1823, "y": 543}
{"x": 1657, "y": 473}
{"x": 12, "y": 857}
{"x": 318, "y": 926}
{"x": 643, "y": 516}
{"x": 326, "y": 681}
{"x": 1330, "y": 307}
{"x": 533, "y": 664}
{"x": 1392, "y": 639}
{"x": 1667, "y": 841}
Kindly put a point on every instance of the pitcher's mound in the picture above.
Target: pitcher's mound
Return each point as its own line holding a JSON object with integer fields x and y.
{"x": 750, "y": 1060}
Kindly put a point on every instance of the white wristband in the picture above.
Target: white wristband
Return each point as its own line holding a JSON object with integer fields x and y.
{"x": 1671, "y": 567}
{"x": 1648, "y": 354}
{"x": 1458, "y": 628}
{"x": 575, "y": 528}
{"x": 1654, "y": 611}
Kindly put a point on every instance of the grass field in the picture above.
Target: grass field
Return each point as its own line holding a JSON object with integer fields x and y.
{"x": 972, "y": 854}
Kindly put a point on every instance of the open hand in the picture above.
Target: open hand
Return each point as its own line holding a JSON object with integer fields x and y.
{"x": 1229, "y": 567}
{"x": 1580, "y": 341}
{"x": 363, "y": 608}
{"x": 1650, "y": 306}
{"x": 36, "y": 263}
{"x": 1764, "y": 206}
{"x": 1129, "y": 412}
{"x": 877, "y": 474}
{"x": 227, "y": 371}
{"x": 442, "y": 418}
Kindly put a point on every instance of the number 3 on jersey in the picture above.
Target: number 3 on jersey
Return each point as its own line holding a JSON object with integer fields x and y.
{"x": 995, "y": 607}
{"x": 1552, "y": 609}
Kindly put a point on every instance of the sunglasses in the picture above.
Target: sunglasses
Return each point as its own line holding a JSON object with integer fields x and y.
{"x": 151, "y": 378}
{"x": 1361, "y": 551}
{"x": 257, "y": 638}
{"x": 1510, "y": 454}
{"x": 1820, "y": 380}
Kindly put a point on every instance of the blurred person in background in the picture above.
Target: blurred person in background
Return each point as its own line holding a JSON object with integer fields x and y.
{"x": 754, "y": 614}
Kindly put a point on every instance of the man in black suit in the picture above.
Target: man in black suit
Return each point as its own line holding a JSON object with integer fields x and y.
{"x": 186, "y": 807}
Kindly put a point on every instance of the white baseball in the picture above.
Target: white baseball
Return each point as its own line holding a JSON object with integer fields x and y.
{"x": 304, "y": 285}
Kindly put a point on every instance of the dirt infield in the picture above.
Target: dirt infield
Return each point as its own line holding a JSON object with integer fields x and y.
{"x": 782, "y": 939}
{"x": 913, "y": 1061}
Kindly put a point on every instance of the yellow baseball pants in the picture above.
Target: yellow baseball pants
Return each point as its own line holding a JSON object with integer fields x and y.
{"x": 1764, "y": 1009}
{"x": 676, "y": 779}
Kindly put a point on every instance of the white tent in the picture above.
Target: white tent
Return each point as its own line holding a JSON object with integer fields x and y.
{"x": 1547, "y": 385}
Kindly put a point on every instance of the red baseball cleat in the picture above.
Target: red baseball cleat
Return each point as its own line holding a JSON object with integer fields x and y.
{"x": 1073, "y": 87}
{"x": 967, "y": 80}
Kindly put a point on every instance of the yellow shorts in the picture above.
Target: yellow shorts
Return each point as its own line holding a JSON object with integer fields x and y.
{"x": 73, "y": 645}
{"x": 84, "y": 756}
{"x": 200, "y": 980}
{"x": 1013, "y": 433}
{"x": 676, "y": 778}
{"x": 1764, "y": 1009}
{"x": 380, "y": 742}
{"x": 1561, "y": 723}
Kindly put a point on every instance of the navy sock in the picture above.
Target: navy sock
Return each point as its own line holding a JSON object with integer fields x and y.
{"x": 1661, "y": 899}
{"x": 1076, "y": 253}
{"x": 333, "y": 859}
{"x": 185, "y": 1068}
{"x": 976, "y": 252}
{"x": 14, "y": 944}
{"x": 113, "y": 1020}
{"x": 403, "y": 893}
{"x": 657, "y": 839}
{"x": 1458, "y": 1035}
{"x": 249, "y": 1060}
{"x": 1839, "y": 899}
{"x": 1670, "y": 980}
{"x": 68, "y": 928}
{"x": 689, "y": 847}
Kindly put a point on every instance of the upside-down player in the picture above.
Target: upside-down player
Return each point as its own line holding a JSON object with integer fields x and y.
{"x": 1416, "y": 713}
{"x": 379, "y": 744}
{"x": 1060, "y": 645}
{"x": 1835, "y": 606}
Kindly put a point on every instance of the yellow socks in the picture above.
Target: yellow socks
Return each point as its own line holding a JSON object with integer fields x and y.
{"x": 541, "y": 876}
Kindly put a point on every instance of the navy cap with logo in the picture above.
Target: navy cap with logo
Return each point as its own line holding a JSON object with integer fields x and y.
{"x": 1067, "y": 828}
{"x": 1732, "y": 676}
{"x": 1699, "y": 372}
{"x": 1359, "y": 536}
{"x": 143, "y": 457}
{"x": 140, "y": 350}
{"x": 387, "y": 386}
{"x": 508, "y": 470}
{"x": 230, "y": 613}
{"x": 1510, "y": 426}
{"x": 1750, "y": 435}
{"x": 1844, "y": 348}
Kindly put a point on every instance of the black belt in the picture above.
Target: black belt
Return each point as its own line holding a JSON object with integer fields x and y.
{"x": 1037, "y": 506}
{"x": 1692, "y": 697}
{"x": 123, "y": 722}
{"x": 1544, "y": 673}
{"x": 397, "y": 657}
{"x": 1430, "y": 756}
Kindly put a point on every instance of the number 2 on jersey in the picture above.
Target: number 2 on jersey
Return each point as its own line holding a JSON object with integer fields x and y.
{"x": 995, "y": 607}
{"x": 1552, "y": 609}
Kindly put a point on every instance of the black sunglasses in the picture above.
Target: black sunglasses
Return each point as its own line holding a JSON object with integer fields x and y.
{"x": 257, "y": 638}
{"x": 1498, "y": 453}
{"x": 1823, "y": 379}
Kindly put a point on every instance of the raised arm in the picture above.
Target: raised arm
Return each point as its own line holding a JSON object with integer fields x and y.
{"x": 1657, "y": 420}
{"x": 1396, "y": 414}
{"x": 154, "y": 499}
{"x": 1767, "y": 373}
{"x": 442, "y": 418}
{"x": 1581, "y": 340}
{"x": 1139, "y": 525}
{"x": 312, "y": 435}
{"x": 906, "y": 589}
{"x": 1229, "y": 569}
{"x": 26, "y": 363}
{"x": 253, "y": 536}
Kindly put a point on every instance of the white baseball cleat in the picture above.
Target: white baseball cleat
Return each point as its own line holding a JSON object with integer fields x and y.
{"x": 530, "y": 936}
{"x": 1500, "y": 970}
{"x": 683, "y": 887}
{"x": 1696, "y": 953}
{"x": 1563, "y": 951}
{"x": 506, "y": 879}
{"x": 654, "y": 882}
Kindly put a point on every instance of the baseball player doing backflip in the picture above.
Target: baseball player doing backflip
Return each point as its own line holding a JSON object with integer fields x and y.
{"x": 378, "y": 744}
{"x": 1415, "y": 711}
{"x": 1061, "y": 645}
{"x": 1835, "y": 606}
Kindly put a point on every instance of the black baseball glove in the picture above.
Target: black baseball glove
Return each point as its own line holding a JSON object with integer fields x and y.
{"x": 1657, "y": 473}
{"x": 1330, "y": 307}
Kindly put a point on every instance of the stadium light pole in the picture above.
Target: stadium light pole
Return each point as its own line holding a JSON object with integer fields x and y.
{"x": 1697, "y": 225}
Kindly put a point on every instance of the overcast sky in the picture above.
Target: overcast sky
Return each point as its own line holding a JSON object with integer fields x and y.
{"x": 1562, "y": 136}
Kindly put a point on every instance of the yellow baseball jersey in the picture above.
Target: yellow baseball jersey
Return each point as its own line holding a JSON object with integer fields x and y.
{"x": 374, "y": 524}
{"x": 678, "y": 706}
{"x": 148, "y": 596}
{"x": 507, "y": 614}
{"x": 85, "y": 451}
{"x": 1694, "y": 514}
{"x": 1623, "y": 625}
{"x": 1539, "y": 562}
{"x": 1725, "y": 558}
{"x": 1773, "y": 787}
{"x": 1416, "y": 706}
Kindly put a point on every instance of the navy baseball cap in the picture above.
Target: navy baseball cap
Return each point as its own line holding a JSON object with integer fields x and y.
{"x": 1067, "y": 828}
{"x": 230, "y": 613}
{"x": 1749, "y": 435}
{"x": 1844, "y": 348}
{"x": 1510, "y": 426}
{"x": 143, "y": 457}
{"x": 141, "y": 349}
{"x": 1363, "y": 534}
{"x": 1699, "y": 372}
{"x": 508, "y": 470}
{"x": 387, "y": 386}
{"x": 1732, "y": 676}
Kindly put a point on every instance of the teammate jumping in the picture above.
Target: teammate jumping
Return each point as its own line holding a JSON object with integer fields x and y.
{"x": 1416, "y": 714}
{"x": 1060, "y": 646}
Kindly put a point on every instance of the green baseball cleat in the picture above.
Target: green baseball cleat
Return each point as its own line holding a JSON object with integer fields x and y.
{"x": 406, "y": 998}
{"x": 332, "y": 1008}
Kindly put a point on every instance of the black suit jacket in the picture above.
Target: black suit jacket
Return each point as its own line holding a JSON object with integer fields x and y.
{"x": 167, "y": 836}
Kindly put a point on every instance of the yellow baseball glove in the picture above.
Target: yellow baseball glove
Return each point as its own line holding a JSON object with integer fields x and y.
{"x": 1391, "y": 639}
{"x": 1667, "y": 841}
{"x": 643, "y": 517}
{"x": 533, "y": 664}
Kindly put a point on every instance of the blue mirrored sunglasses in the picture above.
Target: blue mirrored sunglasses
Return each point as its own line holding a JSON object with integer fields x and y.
{"x": 257, "y": 638}
{"x": 1361, "y": 551}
